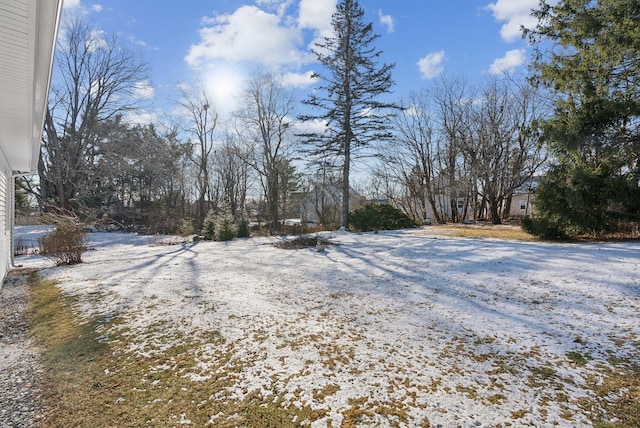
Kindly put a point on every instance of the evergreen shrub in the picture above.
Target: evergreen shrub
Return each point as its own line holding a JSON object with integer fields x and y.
{"x": 186, "y": 227}
{"x": 372, "y": 217}
{"x": 208, "y": 231}
{"x": 243, "y": 228}
{"x": 225, "y": 228}
{"x": 544, "y": 227}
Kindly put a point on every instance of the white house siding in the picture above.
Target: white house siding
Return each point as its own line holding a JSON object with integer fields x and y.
{"x": 521, "y": 205}
{"x": 28, "y": 31}
{"x": 6, "y": 214}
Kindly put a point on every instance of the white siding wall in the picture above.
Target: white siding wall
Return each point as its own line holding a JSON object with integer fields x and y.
{"x": 6, "y": 213}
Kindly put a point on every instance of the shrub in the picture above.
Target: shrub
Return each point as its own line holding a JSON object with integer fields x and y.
{"x": 65, "y": 244}
{"x": 209, "y": 226}
{"x": 225, "y": 228}
{"x": 186, "y": 227}
{"x": 544, "y": 227}
{"x": 243, "y": 228}
{"x": 379, "y": 217}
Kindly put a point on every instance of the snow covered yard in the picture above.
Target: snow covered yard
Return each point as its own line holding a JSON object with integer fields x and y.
{"x": 390, "y": 329}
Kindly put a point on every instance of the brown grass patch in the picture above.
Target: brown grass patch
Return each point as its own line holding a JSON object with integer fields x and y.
{"x": 501, "y": 231}
{"x": 92, "y": 380}
{"x": 617, "y": 397}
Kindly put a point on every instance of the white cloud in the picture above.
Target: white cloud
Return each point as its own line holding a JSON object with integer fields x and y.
{"x": 315, "y": 126}
{"x": 298, "y": 80}
{"x": 413, "y": 111}
{"x": 143, "y": 90}
{"x": 133, "y": 40}
{"x": 142, "y": 118}
{"x": 431, "y": 65}
{"x": 71, "y": 4}
{"x": 78, "y": 7}
{"x": 316, "y": 14}
{"x": 270, "y": 34}
{"x": 515, "y": 13}
{"x": 97, "y": 40}
{"x": 387, "y": 21}
{"x": 248, "y": 34}
{"x": 511, "y": 59}
{"x": 280, "y": 6}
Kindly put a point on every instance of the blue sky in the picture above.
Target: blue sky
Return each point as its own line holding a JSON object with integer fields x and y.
{"x": 222, "y": 42}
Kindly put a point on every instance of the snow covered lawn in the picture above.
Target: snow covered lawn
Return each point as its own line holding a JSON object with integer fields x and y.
{"x": 392, "y": 329}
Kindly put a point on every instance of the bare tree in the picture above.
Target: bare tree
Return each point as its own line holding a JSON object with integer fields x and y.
{"x": 323, "y": 196}
{"x": 263, "y": 127}
{"x": 382, "y": 183}
{"x": 231, "y": 178}
{"x": 464, "y": 149}
{"x": 97, "y": 80}
{"x": 454, "y": 102}
{"x": 500, "y": 149}
{"x": 201, "y": 121}
{"x": 415, "y": 156}
{"x": 426, "y": 162}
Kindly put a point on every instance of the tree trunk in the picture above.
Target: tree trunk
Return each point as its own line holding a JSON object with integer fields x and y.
{"x": 345, "y": 188}
{"x": 202, "y": 199}
{"x": 507, "y": 205}
{"x": 273, "y": 202}
{"x": 494, "y": 207}
{"x": 436, "y": 215}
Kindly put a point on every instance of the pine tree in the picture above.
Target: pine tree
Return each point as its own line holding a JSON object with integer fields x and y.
{"x": 209, "y": 226}
{"x": 243, "y": 228}
{"x": 225, "y": 228}
{"x": 588, "y": 55}
{"x": 349, "y": 96}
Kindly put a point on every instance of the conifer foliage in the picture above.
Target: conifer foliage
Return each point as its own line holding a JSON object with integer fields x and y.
{"x": 588, "y": 56}
{"x": 225, "y": 228}
{"x": 208, "y": 231}
{"x": 349, "y": 96}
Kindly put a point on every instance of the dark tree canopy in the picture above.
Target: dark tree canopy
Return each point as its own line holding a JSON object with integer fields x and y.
{"x": 348, "y": 97}
{"x": 588, "y": 56}
{"x": 96, "y": 82}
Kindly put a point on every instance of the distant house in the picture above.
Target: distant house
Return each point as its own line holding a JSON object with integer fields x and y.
{"x": 522, "y": 199}
{"x": 444, "y": 203}
{"x": 451, "y": 202}
{"x": 444, "y": 208}
{"x": 28, "y": 30}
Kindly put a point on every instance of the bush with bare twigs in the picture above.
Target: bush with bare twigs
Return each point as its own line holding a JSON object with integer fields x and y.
{"x": 66, "y": 243}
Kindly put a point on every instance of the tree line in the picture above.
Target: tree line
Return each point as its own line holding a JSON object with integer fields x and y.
{"x": 450, "y": 152}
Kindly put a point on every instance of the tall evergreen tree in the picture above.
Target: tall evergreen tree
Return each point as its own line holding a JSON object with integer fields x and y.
{"x": 349, "y": 95}
{"x": 588, "y": 55}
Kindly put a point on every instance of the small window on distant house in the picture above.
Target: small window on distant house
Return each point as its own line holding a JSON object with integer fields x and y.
{"x": 523, "y": 205}
{"x": 460, "y": 204}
